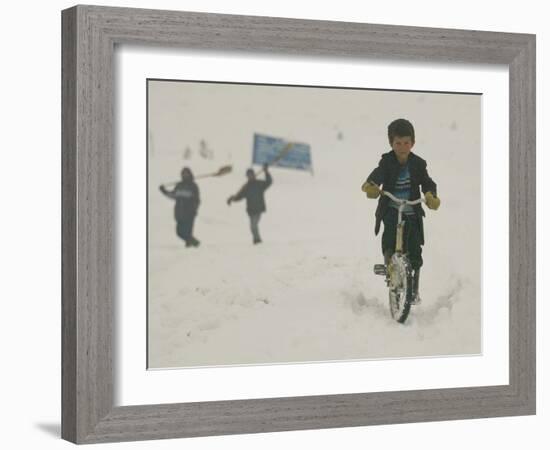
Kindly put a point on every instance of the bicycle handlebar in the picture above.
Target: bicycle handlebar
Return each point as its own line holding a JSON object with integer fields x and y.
{"x": 400, "y": 200}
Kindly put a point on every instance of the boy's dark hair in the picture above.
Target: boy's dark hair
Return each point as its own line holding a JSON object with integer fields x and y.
{"x": 400, "y": 128}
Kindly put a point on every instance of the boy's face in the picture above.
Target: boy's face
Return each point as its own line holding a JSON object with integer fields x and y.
{"x": 402, "y": 146}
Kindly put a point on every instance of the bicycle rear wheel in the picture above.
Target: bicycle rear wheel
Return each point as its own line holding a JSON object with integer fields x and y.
{"x": 400, "y": 287}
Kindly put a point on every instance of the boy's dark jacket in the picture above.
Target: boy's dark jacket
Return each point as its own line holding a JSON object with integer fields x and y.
{"x": 385, "y": 176}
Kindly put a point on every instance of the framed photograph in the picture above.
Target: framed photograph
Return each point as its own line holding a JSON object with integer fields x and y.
{"x": 279, "y": 224}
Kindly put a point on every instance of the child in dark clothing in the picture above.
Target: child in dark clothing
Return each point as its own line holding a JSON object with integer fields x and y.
{"x": 187, "y": 197}
{"x": 403, "y": 174}
{"x": 253, "y": 192}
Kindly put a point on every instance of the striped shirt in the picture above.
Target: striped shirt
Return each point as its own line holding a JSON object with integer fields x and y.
{"x": 402, "y": 189}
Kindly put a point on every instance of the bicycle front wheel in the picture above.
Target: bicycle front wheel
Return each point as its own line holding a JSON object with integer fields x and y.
{"x": 400, "y": 288}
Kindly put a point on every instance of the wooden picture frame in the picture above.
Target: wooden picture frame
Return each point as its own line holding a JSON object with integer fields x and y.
{"x": 90, "y": 34}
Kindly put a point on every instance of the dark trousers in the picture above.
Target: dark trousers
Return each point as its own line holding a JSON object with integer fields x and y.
{"x": 254, "y": 222}
{"x": 412, "y": 236}
{"x": 184, "y": 229}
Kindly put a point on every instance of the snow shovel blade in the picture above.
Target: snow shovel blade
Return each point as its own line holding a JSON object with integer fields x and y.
{"x": 286, "y": 149}
{"x": 223, "y": 171}
{"x": 283, "y": 153}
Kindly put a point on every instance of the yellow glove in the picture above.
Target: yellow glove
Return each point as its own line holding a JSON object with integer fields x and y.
{"x": 432, "y": 201}
{"x": 371, "y": 189}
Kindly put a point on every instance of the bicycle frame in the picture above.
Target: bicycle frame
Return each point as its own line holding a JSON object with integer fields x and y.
{"x": 400, "y": 222}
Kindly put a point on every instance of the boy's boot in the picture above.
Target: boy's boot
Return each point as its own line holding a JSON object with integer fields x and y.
{"x": 416, "y": 284}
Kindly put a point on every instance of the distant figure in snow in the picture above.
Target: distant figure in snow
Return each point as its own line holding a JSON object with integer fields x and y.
{"x": 186, "y": 195}
{"x": 187, "y": 153}
{"x": 403, "y": 174}
{"x": 253, "y": 191}
{"x": 205, "y": 151}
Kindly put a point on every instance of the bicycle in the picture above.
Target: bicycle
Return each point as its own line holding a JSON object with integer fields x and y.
{"x": 398, "y": 272}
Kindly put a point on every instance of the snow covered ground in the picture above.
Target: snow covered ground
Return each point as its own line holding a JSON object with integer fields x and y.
{"x": 308, "y": 292}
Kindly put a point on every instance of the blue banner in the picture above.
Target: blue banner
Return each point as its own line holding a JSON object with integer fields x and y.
{"x": 281, "y": 153}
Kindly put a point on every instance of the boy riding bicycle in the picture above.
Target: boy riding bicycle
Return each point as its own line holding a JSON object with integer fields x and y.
{"x": 403, "y": 174}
